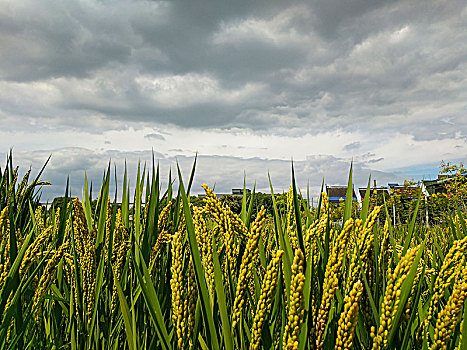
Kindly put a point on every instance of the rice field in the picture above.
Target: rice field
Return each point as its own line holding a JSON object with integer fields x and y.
{"x": 165, "y": 274}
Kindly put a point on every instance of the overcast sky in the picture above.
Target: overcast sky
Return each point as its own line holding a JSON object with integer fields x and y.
{"x": 246, "y": 84}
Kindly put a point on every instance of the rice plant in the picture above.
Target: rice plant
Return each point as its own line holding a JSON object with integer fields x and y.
{"x": 165, "y": 274}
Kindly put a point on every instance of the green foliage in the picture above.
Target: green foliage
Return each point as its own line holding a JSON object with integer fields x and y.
{"x": 233, "y": 202}
{"x": 196, "y": 201}
{"x": 456, "y": 182}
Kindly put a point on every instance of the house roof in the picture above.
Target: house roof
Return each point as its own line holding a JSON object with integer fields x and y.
{"x": 379, "y": 191}
{"x": 337, "y": 192}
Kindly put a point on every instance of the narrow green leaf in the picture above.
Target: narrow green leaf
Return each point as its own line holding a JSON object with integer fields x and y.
{"x": 306, "y": 207}
{"x": 367, "y": 288}
{"x": 408, "y": 237}
{"x": 192, "y": 176}
{"x": 199, "y": 271}
{"x": 103, "y": 198}
{"x": 125, "y": 200}
{"x": 9, "y": 282}
{"x": 280, "y": 238}
{"x": 250, "y": 207}
{"x": 366, "y": 202}
{"x": 308, "y": 305}
{"x": 152, "y": 302}
{"x": 243, "y": 213}
{"x": 405, "y": 292}
{"x": 137, "y": 207}
{"x": 63, "y": 216}
{"x": 320, "y": 200}
{"x": 87, "y": 203}
{"x": 408, "y": 329}
{"x": 97, "y": 293}
{"x": 126, "y": 316}
{"x": 391, "y": 234}
{"x": 218, "y": 282}
{"x": 151, "y": 218}
{"x": 462, "y": 221}
{"x": 348, "y": 197}
{"x": 298, "y": 216}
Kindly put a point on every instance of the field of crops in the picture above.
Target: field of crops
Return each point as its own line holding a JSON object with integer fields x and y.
{"x": 165, "y": 274}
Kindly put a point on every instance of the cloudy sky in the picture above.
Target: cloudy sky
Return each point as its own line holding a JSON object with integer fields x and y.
{"x": 246, "y": 84}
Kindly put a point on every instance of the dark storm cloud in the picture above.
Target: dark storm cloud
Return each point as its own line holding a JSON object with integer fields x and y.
{"x": 288, "y": 67}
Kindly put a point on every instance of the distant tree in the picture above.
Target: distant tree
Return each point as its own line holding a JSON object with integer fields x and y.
{"x": 233, "y": 202}
{"x": 456, "y": 183}
{"x": 58, "y": 202}
{"x": 262, "y": 199}
{"x": 337, "y": 211}
{"x": 196, "y": 201}
{"x": 281, "y": 202}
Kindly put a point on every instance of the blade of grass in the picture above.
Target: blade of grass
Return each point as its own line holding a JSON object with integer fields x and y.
{"x": 243, "y": 213}
{"x": 250, "y": 207}
{"x": 152, "y": 302}
{"x": 196, "y": 258}
{"x": 137, "y": 207}
{"x": 367, "y": 288}
{"x": 125, "y": 199}
{"x": 218, "y": 282}
{"x": 320, "y": 200}
{"x": 391, "y": 233}
{"x": 192, "y": 176}
{"x": 9, "y": 285}
{"x": 151, "y": 216}
{"x": 366, "y": 202}
{"x": 87, "y": 203}
{"x": 462, "y": 221}
{"x": 408, "y": 237}
{"x": 307, "y": 324}
{"x": 348, "y": 197}
{"x": 103, "y": 198}
{"x": 126, "y": 316}
{"x": 280, "y": 233}
{"x": 405, "y": 293}
{"x": 298, "y": 216}
{"x": 408, "y": 330}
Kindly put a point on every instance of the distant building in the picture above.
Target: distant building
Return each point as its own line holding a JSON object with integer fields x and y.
{"x": 336, "y": 193}
{"x": 235, "y": 192}
{"x": 379, "y": 191}
{"x": 46, "y": 205}
{"x": 434, "y": 186}
{"x": 218, "y": 195}
{"x": 239, "y": 191}
{"x": 438, "y": 185}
